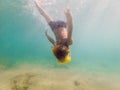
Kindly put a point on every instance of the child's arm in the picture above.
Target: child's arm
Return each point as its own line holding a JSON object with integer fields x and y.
{"x": 69, "y": 24}
{"x": 50, "y": 38}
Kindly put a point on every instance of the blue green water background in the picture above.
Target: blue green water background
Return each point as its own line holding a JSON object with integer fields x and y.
{"x": 96, "y": 33}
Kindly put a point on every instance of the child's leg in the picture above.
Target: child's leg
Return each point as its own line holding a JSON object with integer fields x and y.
{"x": 42, "y": 11}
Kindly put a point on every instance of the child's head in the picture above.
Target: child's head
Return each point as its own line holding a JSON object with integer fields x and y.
{"x": 62, "y": 53}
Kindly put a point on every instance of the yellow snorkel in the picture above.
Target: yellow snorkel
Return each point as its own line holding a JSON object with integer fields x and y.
{"x": 66, "y": 59}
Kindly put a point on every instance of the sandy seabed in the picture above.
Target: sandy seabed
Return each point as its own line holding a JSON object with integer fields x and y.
{"x": 28, "y": 77}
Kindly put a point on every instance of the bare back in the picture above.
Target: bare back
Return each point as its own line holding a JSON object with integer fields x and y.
{"x": 60, "y": 31}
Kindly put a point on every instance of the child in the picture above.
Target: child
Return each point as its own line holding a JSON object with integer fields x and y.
{"x": 63, "y": 33}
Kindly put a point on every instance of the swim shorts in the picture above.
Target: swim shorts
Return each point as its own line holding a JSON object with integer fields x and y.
{"x": 57, "y": 24}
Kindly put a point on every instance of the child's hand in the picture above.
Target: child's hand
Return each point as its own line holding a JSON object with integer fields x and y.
{"x": 67, "y": 11}
{"x": 46, "y": 32}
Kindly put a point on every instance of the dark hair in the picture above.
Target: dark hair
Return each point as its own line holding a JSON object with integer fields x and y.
{"x": 60, "y": 51}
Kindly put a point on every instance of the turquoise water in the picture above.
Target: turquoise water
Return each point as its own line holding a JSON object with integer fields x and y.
{"x": 96, "y": 33}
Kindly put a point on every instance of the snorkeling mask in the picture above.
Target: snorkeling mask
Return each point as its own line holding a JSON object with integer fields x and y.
{"x": 64, "y": 60}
